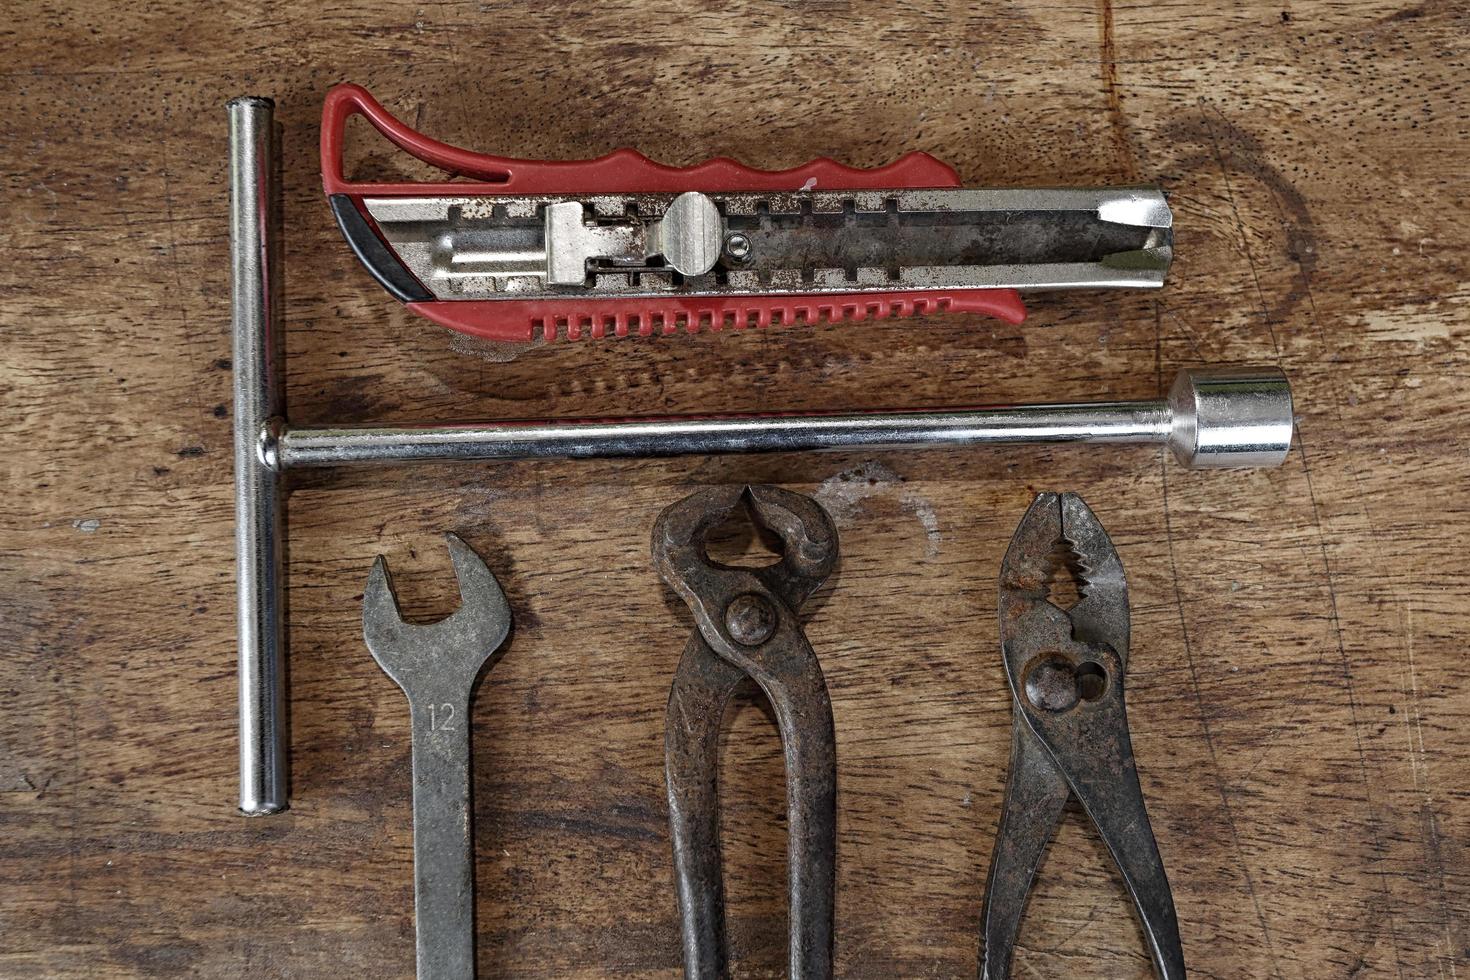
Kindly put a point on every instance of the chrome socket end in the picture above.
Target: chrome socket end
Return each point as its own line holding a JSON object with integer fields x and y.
{"x": 1230, "y": 417}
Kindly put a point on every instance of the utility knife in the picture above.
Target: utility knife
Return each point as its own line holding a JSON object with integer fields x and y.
{"x": 521, "y": 252}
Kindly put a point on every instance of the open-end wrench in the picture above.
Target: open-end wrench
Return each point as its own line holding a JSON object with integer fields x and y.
{"x": 436, "y": 665}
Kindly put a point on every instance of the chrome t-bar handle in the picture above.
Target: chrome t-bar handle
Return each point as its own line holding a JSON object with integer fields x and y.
{"x": 257, "y": 383}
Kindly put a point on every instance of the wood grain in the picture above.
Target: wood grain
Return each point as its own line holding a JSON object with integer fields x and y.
{"x": 1299, "y": 696}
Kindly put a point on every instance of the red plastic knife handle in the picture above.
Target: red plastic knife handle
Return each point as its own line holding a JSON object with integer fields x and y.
{"x": 623, "y": 171}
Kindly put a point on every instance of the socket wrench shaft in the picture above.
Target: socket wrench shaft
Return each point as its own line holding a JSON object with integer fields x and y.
{"x": 1213, "y": 417}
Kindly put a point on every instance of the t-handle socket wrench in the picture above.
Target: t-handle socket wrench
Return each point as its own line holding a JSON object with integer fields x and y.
{"x": 1213, "y": 417}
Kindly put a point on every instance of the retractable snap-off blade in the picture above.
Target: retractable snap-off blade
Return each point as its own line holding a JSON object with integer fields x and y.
{"x": 522, "y": 251}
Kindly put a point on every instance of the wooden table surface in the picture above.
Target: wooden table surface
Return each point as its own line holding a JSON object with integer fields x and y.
{"x": 1298, "y": 693}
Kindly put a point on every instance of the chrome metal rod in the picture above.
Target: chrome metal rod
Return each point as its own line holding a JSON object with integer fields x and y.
{"x": 1214, "y": 417}
{"x": 1139, "y": 422}
{"x": 258, "y": 400}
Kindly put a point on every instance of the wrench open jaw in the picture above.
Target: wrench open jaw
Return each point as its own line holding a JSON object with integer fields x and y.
{"x": 1065, "y": 659}
{"x": 436, "y": 665}
{"x": 475, "y": 630}
{"x": 747, "y": 627}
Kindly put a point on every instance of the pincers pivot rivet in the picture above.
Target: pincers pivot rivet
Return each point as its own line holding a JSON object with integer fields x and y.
{"x": 750, "y": 619}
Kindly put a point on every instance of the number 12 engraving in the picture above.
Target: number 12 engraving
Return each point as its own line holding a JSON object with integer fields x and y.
{"x": 440, "y": 717}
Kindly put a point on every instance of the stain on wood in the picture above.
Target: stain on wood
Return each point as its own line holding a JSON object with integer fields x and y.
{"x": 1299, "y": 703}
